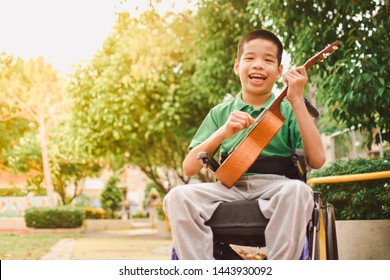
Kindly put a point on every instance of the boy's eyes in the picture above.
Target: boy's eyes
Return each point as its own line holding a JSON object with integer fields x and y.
{"x": 270, "y": 60}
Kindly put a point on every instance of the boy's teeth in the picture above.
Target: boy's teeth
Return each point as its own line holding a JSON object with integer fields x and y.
{"x": 256, "y": 77}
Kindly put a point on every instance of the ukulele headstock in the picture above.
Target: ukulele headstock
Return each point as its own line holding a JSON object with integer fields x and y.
{"x": 322, "y": 55}
{"x": 329, "y": 50}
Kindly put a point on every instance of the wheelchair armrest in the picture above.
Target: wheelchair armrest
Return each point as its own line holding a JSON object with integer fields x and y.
{"x": 299, "y": 159}
{"x": 208, "y": 161}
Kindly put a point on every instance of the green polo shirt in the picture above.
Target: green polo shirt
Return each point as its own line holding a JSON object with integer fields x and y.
{"x": 285, "y": 141}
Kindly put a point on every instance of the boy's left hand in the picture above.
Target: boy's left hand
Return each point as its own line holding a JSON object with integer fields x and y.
{"x": 295, "y": 79}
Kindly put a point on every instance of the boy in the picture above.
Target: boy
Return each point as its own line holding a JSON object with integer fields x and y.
{"x": 287, "y": 203}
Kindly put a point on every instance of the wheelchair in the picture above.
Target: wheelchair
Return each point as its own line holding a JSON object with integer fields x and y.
{"x": 241, "y": 223}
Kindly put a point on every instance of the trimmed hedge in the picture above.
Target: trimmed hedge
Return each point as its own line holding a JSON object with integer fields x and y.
{"x": 363, "y": 200}
{"x": 54, "y": 217}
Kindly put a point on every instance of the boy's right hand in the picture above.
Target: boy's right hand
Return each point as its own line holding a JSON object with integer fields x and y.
{"x": 236, "y": 122}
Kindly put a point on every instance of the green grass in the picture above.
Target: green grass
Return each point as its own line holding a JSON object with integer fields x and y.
{"x": 28, "y": 246}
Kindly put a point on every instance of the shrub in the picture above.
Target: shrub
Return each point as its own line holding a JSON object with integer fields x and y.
{"x": 94, "y": 213}
{"x": 54, "y": 217}
{"x": 140, "y": 215}
{"x": 111, "y": 197}
{"x": 362, "y": 200}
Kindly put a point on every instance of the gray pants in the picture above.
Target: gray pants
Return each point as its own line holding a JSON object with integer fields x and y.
{"x": 287, "y": 203}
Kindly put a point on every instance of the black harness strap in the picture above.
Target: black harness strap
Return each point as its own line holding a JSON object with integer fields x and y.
{"x": 287, "y": 166}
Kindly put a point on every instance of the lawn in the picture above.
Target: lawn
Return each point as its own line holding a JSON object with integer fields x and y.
{"x": 28, "y": 246}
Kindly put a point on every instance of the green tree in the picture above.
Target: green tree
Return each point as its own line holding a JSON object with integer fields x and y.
{"x": 31, "y": 90}
{"x": 69, "y": 169}
{"x": 32, "y": 113}
{"x": 219, "y": 25}
{"x": 111, "y": 197}
{"x": 71, "y": 166}
{"x": 128, "y": 101}
{"x": 351, "y": 84}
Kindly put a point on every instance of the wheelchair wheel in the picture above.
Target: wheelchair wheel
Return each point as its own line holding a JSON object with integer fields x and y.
{"x": 331, "y": 238}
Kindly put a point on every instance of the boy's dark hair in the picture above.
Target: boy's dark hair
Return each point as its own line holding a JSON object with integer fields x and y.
{"x": 260, "y": 34}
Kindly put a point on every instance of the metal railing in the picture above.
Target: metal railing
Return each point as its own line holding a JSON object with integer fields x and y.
{"x": 349, "y": 178}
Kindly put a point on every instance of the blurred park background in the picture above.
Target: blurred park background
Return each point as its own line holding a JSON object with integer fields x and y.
{"x": 108, "y": 135}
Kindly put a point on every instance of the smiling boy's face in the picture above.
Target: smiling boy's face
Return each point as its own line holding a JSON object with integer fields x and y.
{"x": 258, "y": 67}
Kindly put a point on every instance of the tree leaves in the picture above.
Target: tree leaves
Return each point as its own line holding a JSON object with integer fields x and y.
{"x": 133, "y": 101}
{"x": 361, "y": 65}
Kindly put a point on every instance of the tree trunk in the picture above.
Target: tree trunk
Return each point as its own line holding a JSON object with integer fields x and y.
{"x": 45, "y": 163}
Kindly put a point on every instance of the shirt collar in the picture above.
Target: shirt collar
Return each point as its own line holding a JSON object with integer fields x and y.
{"x": 240, "y": 104}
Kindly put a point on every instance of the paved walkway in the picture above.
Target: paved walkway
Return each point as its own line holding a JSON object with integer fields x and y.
{"x": 123, "y": 244}
{"x": 61, "y": 251}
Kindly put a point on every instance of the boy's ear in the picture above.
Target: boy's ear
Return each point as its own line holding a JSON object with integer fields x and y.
{"x": 236, "y": 66}
{"x": 280, "y": 71}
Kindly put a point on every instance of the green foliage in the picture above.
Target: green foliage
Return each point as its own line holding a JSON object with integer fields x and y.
{"x": 67, "y": 166}
{"x": 127, "y": 103}
{"x": 30, "y": 92}
{"x": 82, "y": 200}
{"x": 94, "y": 213}
{"x": 67, "y": 173}
{"x": 25, "y": 156}
{"x": 364, "y": 200}
{"x": 219, "y": 25}
{"x": 111, "y": 197}
{"x": 54, "y": 217}
{"x": 142, "y": 97}
{"x": 21, "y": 192}
{"x": 11, "y": 131}
{"x": 12, "y": 192}
{"x": 33, "y": 95}
{"x": 140, "y": 215}
{"x": 351, "y": 84}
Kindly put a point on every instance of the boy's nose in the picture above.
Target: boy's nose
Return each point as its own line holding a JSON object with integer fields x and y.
{"x": 257, "y": 64}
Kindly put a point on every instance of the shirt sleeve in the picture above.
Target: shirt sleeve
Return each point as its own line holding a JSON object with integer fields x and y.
{"x": 206, "y": 129}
